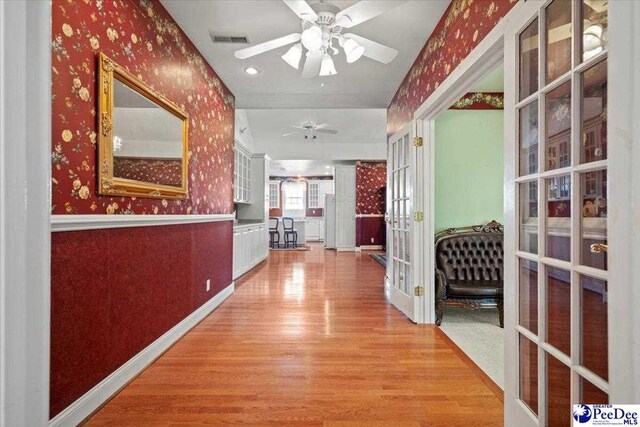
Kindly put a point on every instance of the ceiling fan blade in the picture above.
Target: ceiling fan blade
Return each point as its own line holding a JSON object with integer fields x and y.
{"x": 375, "y": 50}
{"x": 321, "y": 125}
{"x": 297, "y": 127}
{"x": 312, "y": 65}
{"x": 302, "y": 9}
{"x": 331, "y": 131}
{"x": 257, "y": 49}
{"x": 290, "y": 133}
{"x": 363, "y": 11}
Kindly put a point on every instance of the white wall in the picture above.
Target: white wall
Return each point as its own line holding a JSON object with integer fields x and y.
{"x": 243, "y": 131}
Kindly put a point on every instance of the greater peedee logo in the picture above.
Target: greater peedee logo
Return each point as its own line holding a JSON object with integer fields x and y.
{"x": 605, "y": 415}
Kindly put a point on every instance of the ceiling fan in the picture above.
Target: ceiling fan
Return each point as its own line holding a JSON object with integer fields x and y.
{"x": 321, "y": 27}
{"x": 310, "y": 129}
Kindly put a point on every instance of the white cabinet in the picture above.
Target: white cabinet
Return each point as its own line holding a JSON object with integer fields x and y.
{"x": 241, "y": 174}
{"x": 317, "y": 190}
{"x": 274, "y": 194}
{"x": 250, "y": 247}
{"x": 312, "y": 228}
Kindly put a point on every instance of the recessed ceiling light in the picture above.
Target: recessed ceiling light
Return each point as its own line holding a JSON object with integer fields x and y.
{"x": 326, "y": 173}
{"x": 251, "y": 71}
{"x": 327, "y": 167}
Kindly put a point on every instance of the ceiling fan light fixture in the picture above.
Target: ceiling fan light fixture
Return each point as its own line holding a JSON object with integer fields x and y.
{"x": 327, "y": 68}
{"x": 293, "y": 56}
{"x": 592, "y": 41}
{"x": 353, "y": 50}
{"x": 312, "y": 38}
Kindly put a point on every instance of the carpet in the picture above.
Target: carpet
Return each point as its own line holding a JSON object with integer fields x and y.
{"x": 381, "y": 258}
{"x": 297, "y": 248}
{"x": 478, "y": 334}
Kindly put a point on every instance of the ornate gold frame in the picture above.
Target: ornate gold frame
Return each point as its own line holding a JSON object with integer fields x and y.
{"x": 107, "y": 183}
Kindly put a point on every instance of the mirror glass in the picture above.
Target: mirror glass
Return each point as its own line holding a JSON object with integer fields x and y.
{"x": 147, "y": 139}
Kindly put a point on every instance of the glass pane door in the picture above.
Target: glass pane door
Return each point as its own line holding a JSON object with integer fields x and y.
{"x": 401, "y": 155}
{"x": 561, "y": 194}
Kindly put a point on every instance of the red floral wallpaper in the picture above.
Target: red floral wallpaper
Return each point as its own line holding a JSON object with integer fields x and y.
{"x": 159, "y": 171}
{"x": 371, "y": 184}
{"x": 462, "y": 27}
{"x": 480, "y": 101}
{"x": 141, "y": 36}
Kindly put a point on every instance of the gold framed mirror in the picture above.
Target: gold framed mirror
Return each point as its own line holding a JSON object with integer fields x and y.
{"x": 142, "y": 138}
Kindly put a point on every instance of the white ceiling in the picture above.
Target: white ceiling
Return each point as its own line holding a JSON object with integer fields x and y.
{"x": 301, "y": 168}
{"x": 361, "y": 134}
{"x": 363, "y": 84}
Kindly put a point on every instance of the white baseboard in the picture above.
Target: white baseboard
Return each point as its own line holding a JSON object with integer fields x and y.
{"x": 369, "y": 248}
{"x": 98, "y": 395}
{"x": 346, "y": 249}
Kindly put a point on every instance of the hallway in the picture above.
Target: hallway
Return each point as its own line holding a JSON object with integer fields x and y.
{"x": 308, "y": 339}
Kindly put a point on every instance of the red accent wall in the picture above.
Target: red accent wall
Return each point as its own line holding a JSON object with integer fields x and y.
{"x": 114, "y": 291}
{"x": 463, "y": 25}
{"x": 141, "y": 36}
{"x": 371, "y": 186}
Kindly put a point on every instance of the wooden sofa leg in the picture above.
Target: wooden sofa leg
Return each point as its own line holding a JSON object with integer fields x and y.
{"x": 439, "y": 312}
{"x": 501, "y": 313}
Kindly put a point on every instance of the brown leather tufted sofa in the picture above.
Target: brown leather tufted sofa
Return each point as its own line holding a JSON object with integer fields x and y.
{"x": 469, "y": 268}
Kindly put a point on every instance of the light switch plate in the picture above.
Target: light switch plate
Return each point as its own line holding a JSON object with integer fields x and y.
{"x": 208, "y": 285}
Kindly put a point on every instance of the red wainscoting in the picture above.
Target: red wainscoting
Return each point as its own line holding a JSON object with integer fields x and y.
{"x": 462, "y": 27}
{"x": 115, "y": 291}
{"x": 368, "y": 228}
{"x": 371, "y": 186}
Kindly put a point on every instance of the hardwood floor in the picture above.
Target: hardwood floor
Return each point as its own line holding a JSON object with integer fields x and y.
{"x": 308, "y": 339}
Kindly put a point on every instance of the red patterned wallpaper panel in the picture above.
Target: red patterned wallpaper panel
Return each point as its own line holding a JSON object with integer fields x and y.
{"x": 141, "y": 36}
{"x": 371, "y": 184}
{"x": 464, "y": 24}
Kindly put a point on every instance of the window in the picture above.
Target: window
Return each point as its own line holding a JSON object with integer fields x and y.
{"x": 294, "y": 196}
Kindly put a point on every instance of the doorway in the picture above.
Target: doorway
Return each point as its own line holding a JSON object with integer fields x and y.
{"x": 468, "y": 193}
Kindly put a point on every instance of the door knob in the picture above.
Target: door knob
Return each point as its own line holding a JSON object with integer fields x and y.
{"x": 597, "y": 248}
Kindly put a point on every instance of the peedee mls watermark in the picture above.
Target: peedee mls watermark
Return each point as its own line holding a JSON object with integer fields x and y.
{"x": 606, "y": 415}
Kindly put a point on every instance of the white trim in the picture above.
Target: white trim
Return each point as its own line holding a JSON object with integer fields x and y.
{"x": 369, "y": 215}
{"x": 624, "y": 201}
{"x": 346, "y": 249}
{"x": 369, "y": 248}
{"x": 96, "y": 222}
{"x": 98, "y": 395}
{"x": 25, "y": 203}
{"x": 240, "y": 226}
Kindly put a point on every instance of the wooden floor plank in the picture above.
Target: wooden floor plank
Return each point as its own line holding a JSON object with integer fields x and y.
{"x": 308, "y": 339}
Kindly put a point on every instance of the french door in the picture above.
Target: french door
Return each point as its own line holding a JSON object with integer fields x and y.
{"x": 557, "y": 205}
{"x": 402, "y": 251}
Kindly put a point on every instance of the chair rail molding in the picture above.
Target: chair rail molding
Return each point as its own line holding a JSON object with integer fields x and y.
{"x": 96, "y": 222}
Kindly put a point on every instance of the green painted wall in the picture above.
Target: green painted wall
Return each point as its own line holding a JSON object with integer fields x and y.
{"x": 468, "y": 168}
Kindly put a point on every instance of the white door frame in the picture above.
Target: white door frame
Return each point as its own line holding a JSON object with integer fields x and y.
{"x": 624, "y": 164}
{"x": 25, "y": 203}
{"x": 624, "y": 268}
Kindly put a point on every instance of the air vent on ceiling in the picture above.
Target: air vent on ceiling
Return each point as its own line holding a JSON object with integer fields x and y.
{"x": 228, "y": 38}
